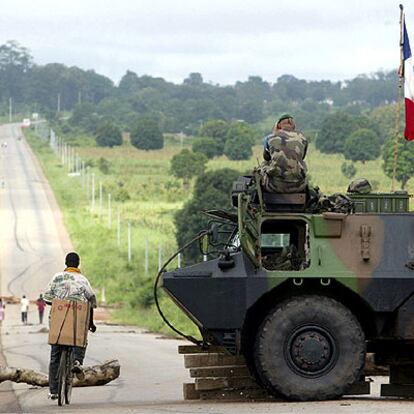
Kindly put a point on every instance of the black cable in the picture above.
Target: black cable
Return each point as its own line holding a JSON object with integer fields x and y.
{"x": 163, "y": 268}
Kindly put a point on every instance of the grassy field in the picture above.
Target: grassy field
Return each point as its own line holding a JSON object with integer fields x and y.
{"x": 146, "y": 195}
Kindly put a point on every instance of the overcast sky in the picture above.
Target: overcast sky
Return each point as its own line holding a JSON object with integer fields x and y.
{"x": 224, "y": 40}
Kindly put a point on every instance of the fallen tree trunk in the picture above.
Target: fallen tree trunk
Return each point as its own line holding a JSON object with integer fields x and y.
{"x": 94, "y": 375}
{"x": 99, "y": 374}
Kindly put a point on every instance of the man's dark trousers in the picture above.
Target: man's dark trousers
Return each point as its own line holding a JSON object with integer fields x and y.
{"x": 55, "y": 352}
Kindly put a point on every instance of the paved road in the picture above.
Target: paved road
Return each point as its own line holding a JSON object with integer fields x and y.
{"x": 33, "y": 242}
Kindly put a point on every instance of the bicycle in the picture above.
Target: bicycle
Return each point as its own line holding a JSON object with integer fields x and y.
{"x": 70, "y": 322}
{"x": 65, "y": 375}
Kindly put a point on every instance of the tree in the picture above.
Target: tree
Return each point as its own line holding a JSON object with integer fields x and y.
{"x": 217, "y": 129}
{"x": 15, "y": 63}
{"x": 93, "y": 376}
{"x": 211, "y": 190}
{"x": 207, "y": 146}
{"x": 104, "y": 165}
{"x": 334, "y": 130}
{"x": 362, "y": 145}
{"x": 108, "y": 135}
{"x": 194, "y": 79}
{"x": 384, "y": 118}
{"x": 187, "y": 164}
{"x": 251, "y": 111}
{"x": 239, "y": 142}
{"x": 405, "y": 161}
{"x": 348, "y": 170}
{"x": 147, "y": 135}
{"x": 84, "y": 116}
{"x": 128, "y": 84}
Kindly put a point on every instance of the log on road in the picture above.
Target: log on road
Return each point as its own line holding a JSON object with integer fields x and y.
{"x": 94, "y": 375}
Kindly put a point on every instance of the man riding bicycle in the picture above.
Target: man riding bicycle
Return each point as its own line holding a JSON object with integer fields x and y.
{"x": 71, "y": 285}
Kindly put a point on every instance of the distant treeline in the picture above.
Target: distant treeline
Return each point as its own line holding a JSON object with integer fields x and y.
{"x": 180, "y": 107}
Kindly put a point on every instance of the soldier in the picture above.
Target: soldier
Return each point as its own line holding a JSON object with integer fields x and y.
{"x": 284, "y": 169}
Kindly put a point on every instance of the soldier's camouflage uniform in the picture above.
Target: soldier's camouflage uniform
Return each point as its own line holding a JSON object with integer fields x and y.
{"x": 286, "y": 171}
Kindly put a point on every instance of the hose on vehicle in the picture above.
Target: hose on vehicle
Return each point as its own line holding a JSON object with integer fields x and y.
{"x": 157, "y": 304}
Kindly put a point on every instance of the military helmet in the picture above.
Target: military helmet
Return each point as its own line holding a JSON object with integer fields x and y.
{"x": 360, "y": 186}
{"x": 283, "y": 117}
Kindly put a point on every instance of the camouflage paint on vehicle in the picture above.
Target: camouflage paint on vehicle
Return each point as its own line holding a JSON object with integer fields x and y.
{"x": 364, "y": 260}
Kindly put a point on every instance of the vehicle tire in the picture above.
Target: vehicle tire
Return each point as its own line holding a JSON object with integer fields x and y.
{"x": 62, "y": 378}
{"x": 69, "y": 376}
{"x": 309, "y": 348}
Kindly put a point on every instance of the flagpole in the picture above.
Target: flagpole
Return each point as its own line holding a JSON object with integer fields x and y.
{"x": 397, "y": 117}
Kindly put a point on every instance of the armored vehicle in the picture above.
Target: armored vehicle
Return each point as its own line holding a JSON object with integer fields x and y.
{"x": 305, "y": 294}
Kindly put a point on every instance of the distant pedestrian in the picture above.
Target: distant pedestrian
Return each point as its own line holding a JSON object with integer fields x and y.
{"x": 41, "y": 304}
{"x": 2, "y": 310}
{"x": 24, "y": 308}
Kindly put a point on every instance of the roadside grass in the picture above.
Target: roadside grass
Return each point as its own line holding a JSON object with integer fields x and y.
{"x": 147, "y": 196}
{"x": 150, "y": 212}
{"x": 323, "y": 170}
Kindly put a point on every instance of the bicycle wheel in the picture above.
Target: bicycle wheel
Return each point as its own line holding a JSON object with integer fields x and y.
{"x": 69, "y": 376}
{"x": 62, "y": 377}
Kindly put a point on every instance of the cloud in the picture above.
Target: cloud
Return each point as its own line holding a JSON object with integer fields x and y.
{"x": 224, "y": 40}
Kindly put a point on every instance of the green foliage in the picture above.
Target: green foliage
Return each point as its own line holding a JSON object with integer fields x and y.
{"x": 207, "y": 146}
{"x": 239, "y": 142}
{"x": 84, "y": 116}
{"x": 212, "y": 190}
{"x": 147, "y": 135}
{"x": 122, "y": 195}
{"x": 156, "y": 196}
{"x": 180, "y": 107}
{"x": 217, "y": 129}
{"x": 145, "y": 295}
{"x": 187, "y": 164}
{"x": 384, "y": 117}
{"x": 405, "y": 161}
{"x": 348, "y": 170}
{"x": 108, "y": 135}
{"x": 103, "y": 261}
{"x": 336, "y": 128}
{"x": 362, "y": 145}
{"x": 238, "y": 148}
{"x": 15, "y": 63}
{"x": 104, "y": 165}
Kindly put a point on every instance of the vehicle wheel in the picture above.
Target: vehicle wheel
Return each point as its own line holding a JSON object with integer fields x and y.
{"x": 62, "y": 378}
{"x": 69, "y": 377}
{"x": 309, "y": 348}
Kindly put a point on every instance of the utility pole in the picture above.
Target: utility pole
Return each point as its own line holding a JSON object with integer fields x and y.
{"x": 93, "y": 192}
{"x": 146, "y": 255}
{"x": 88, "y": 179}
{"x": 10, "y": 110}
{"x": 129, "y": 243}
{"x": 83, "y": 173}
{"x": 118, "y": 228}
{"x": 100, "y": 197}
{"x": 58, "y": 103}
{"x": 159, "y": 257}
{"x": 109, "y": 212}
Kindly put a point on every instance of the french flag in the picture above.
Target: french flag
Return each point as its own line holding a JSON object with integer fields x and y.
{"x": 408, "y": 87}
